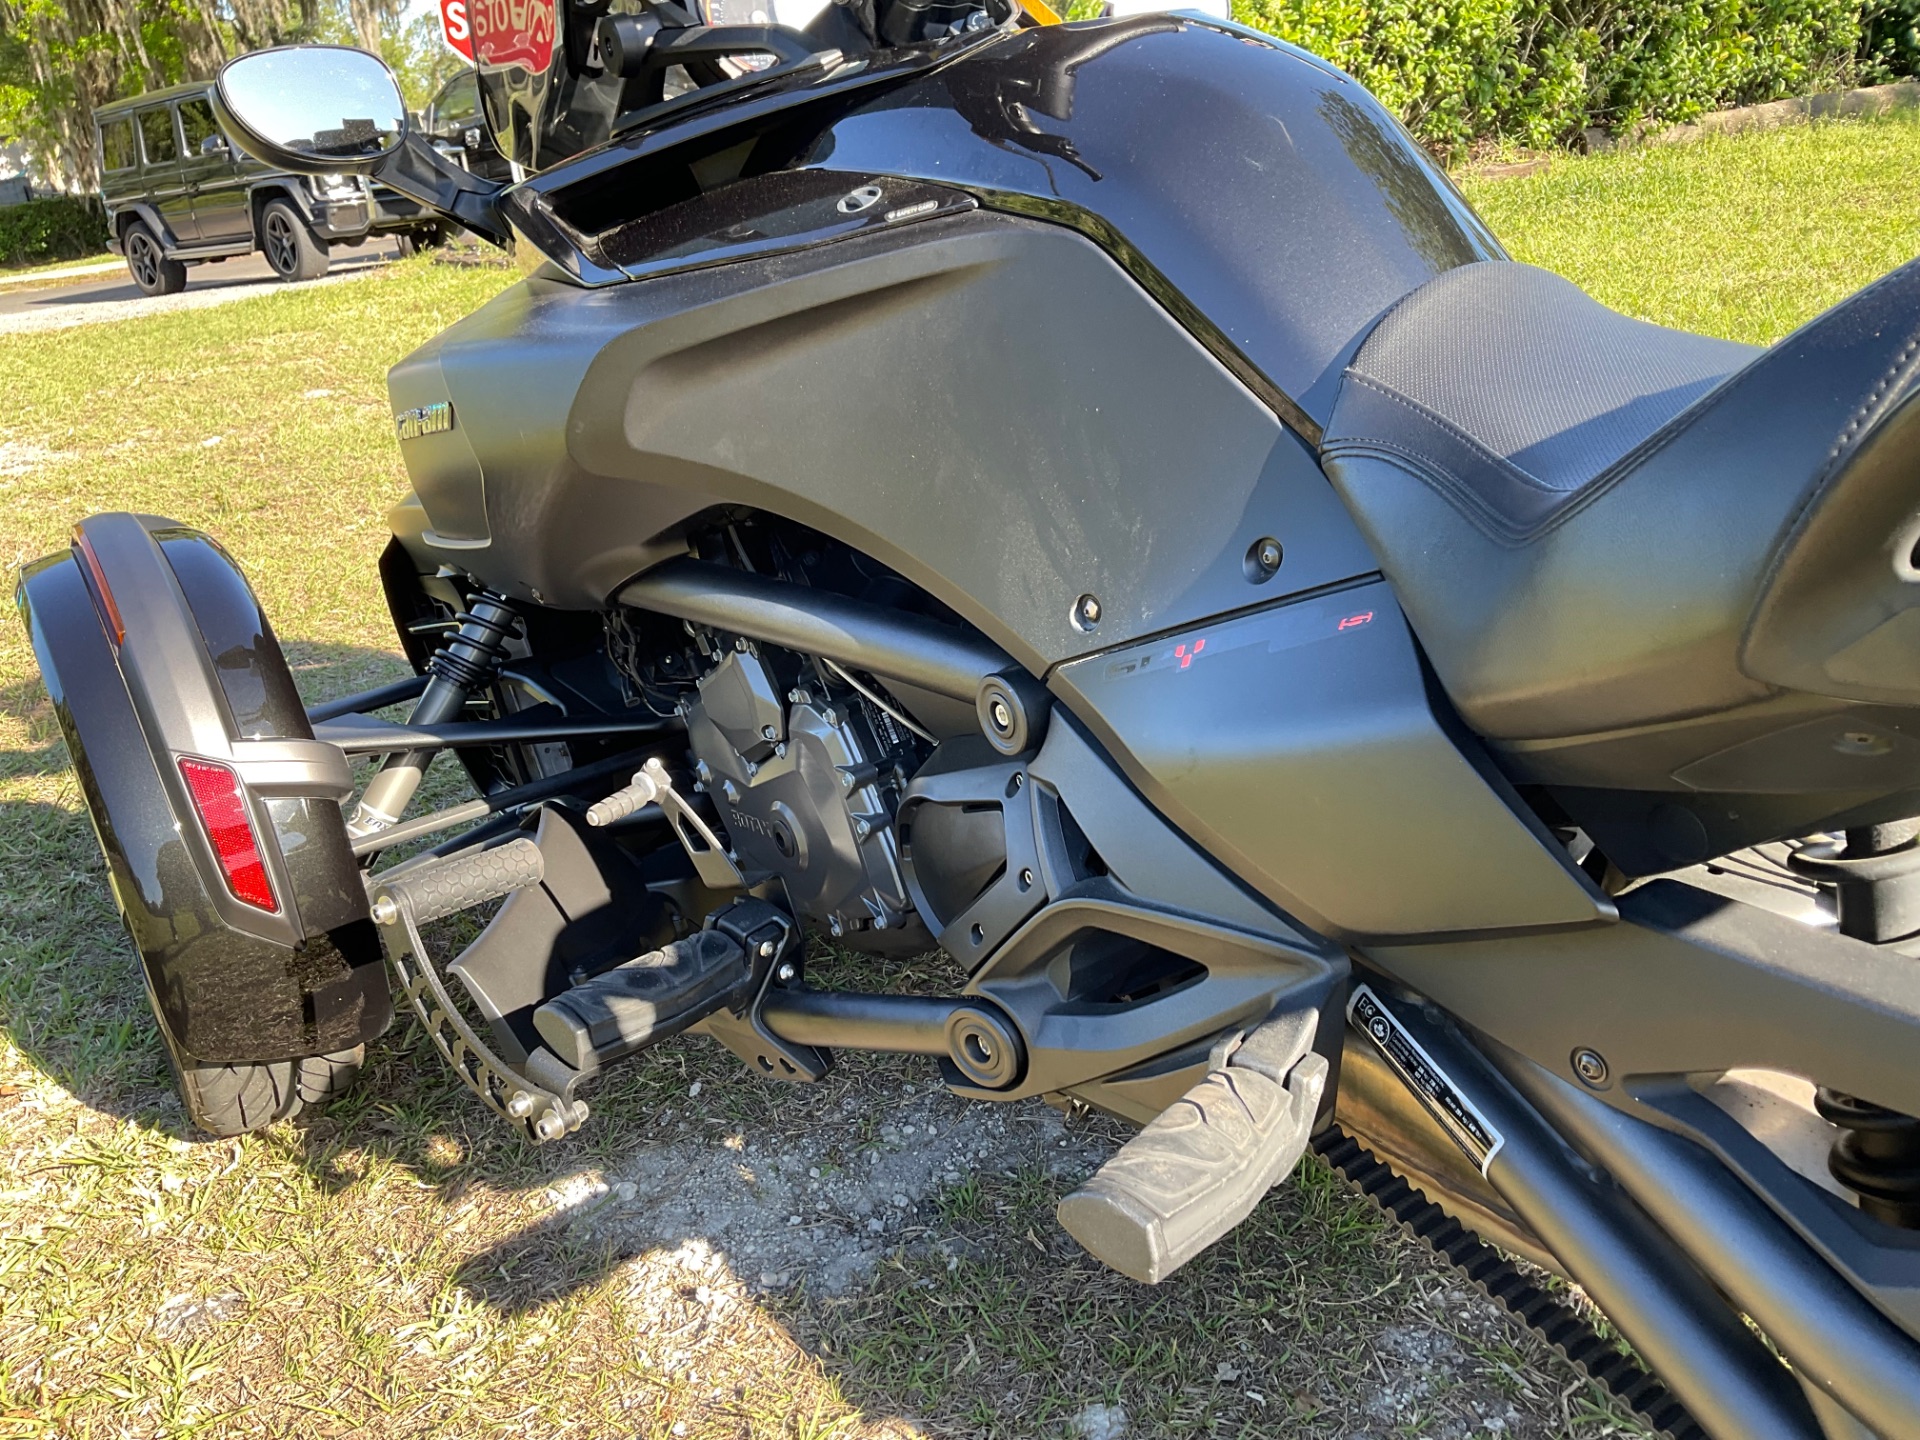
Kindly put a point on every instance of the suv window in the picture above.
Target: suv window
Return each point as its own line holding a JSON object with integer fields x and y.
{"x": 156, "y": 135}
{"x": 458, "y": 104}
{"x": 197, "y": 123}
{"x": 116, "y": 145}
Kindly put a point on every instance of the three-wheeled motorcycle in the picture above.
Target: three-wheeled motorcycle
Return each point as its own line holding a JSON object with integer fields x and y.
{"x": 1092, "y": 498}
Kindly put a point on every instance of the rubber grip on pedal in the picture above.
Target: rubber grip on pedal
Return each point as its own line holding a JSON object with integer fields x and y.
{"x": 1196, "y": 1170}
{"x": 460, "y": 882}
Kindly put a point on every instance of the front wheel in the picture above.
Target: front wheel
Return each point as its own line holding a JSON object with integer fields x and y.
{"x": 226, "y": 1100}
{"x": 148, "y": 264}
{"x": 291, "y": 248}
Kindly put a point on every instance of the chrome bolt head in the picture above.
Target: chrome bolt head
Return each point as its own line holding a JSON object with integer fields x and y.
{"x": 385, "y": 912}
{"x": 1591, "y": 1067}
{"x": 1002, "y": 716}
{"x": 520, "y": 1105}
{"x": 550, "y": 1126}
{"x": 1086, "y": 612}
{"x": 786, "y": 974}
{"x": 767, "y": 947}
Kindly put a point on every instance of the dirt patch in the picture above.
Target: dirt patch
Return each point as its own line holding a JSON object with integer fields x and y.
{"x": 820, "y": 1212}
{"x": 23, "y": 457}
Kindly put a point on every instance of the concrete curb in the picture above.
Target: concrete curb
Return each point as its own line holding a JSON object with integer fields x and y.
{"x": 98, "y": 267}
{"x": 1869, "y": 100}
{"x": 1771, "y": 115}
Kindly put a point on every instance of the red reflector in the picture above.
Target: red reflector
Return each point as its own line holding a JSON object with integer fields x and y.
{"x": 223, "y": 811}
{"x": 110, "y": 610}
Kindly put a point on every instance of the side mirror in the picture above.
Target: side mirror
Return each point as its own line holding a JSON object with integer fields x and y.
{"x": 312, "y": 109}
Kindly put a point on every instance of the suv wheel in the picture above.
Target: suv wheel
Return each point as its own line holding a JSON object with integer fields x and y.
{"x": 428, "y": 237}
{"x": 294, "y": 251}
{"x": 147, "y": 263}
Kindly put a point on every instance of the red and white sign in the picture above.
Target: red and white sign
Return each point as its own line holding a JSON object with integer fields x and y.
{"x": 454, "y": 28}
{"x": 512, "y": 32}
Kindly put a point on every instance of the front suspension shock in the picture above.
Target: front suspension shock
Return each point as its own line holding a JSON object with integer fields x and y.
{"x": 467, "y": 661}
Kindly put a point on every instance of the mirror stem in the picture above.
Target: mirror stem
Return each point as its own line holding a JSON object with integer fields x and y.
{"x": 420, "y": 172}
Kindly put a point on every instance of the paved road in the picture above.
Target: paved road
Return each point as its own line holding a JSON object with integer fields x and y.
{"x": 113, "y": 295}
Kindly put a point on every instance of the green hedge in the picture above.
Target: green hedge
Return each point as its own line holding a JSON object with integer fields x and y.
{"x": 1540, "y": 73}
{"x": 60, "y": 227}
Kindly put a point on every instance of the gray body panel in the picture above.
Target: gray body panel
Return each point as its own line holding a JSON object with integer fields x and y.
{"x": 989, "y": 405}
{"x": 1298, "y": 745}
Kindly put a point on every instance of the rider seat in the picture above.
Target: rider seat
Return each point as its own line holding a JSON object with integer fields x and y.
{"x": 1596, "y": 524}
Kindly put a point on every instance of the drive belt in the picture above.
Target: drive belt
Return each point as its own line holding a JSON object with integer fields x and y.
{"x": 1503, "y": 1282}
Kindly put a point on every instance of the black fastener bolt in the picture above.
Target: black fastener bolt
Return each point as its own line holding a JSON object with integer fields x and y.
{"x": 1263, "y": 559}
{"x": 1590, "y": 1067}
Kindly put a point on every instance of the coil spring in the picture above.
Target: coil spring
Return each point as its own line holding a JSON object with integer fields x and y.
{"x": 1877, "y": 1156}
{"x": 472, "y": 655}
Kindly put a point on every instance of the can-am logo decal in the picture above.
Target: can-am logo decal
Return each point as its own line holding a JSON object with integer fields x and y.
{"x": 512, "y": 32}
{"x": 426, "y": 420}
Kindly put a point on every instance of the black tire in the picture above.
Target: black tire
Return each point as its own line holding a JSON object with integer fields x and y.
{"x": 291, "y": 248}
{"x": 413, "y": 242}
{"x": 147, "y": 262}
{"x": 229, "y": 1100}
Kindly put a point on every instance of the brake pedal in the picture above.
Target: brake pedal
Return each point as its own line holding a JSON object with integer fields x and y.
{"x": 631, "y": 1006}
{"x": 1198, "y": 1168}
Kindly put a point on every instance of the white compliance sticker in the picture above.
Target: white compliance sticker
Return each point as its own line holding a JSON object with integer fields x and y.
{"x": 1418, "y": 1072}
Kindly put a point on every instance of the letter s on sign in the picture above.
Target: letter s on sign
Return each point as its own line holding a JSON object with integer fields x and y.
{"x": 454, "y": 28}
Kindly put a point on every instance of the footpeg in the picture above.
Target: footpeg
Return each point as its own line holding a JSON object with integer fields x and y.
{"x": 446, "y": 887}
{"x": 1199, "y": 1168}
{"x": 631, "y": 1006}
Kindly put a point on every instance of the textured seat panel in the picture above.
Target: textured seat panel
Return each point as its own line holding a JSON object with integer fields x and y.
{"x": 1579, "y": 511}
{"x": 1544, "y": 386}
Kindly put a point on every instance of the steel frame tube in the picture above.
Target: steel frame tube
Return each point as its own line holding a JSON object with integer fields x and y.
{"x": 375, "y": 737}
{"x": 1643, "y": 1282}
{"x": 908, "y": 648}
{"x": 377, "y": 699}
{"x": 1826, "y": 1328}
{"x": 845, "y": 1020}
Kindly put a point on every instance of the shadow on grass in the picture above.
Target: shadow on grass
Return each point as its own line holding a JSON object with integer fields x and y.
{"x": 904, "y": 1239}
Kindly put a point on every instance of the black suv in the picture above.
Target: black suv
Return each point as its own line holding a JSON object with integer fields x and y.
{"x": 453, "y": 123}
{"x": 179, "y": 193}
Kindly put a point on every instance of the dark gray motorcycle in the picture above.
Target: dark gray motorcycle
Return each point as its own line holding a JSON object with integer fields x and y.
{"x": 1092, "y": 498}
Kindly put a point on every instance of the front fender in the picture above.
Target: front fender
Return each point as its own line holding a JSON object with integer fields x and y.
{"x": 196, "y": 671}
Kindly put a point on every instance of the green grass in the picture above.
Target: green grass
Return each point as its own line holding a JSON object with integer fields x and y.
{"x": 384, "y": 1269}
{"x": 1742, "y": 236}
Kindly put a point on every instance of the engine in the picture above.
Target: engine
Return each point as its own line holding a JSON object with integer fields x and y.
{"x": 807, "y": 774}
{"x": 803, "y": 762}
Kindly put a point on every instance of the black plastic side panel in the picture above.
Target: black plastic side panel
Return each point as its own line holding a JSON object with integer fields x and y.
{"x": 989, "y": 405}
{"x": 1281, "y": 201}
{"x": 1298, "y": 745}
{"x": 1265, "y": 198}
{"x": 223, "y": 996}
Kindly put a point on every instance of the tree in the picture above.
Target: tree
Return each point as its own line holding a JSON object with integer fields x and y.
{"x": 61, "y": 59}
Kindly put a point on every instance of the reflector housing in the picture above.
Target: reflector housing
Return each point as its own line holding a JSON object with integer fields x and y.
{"x": 223, "y": 815}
